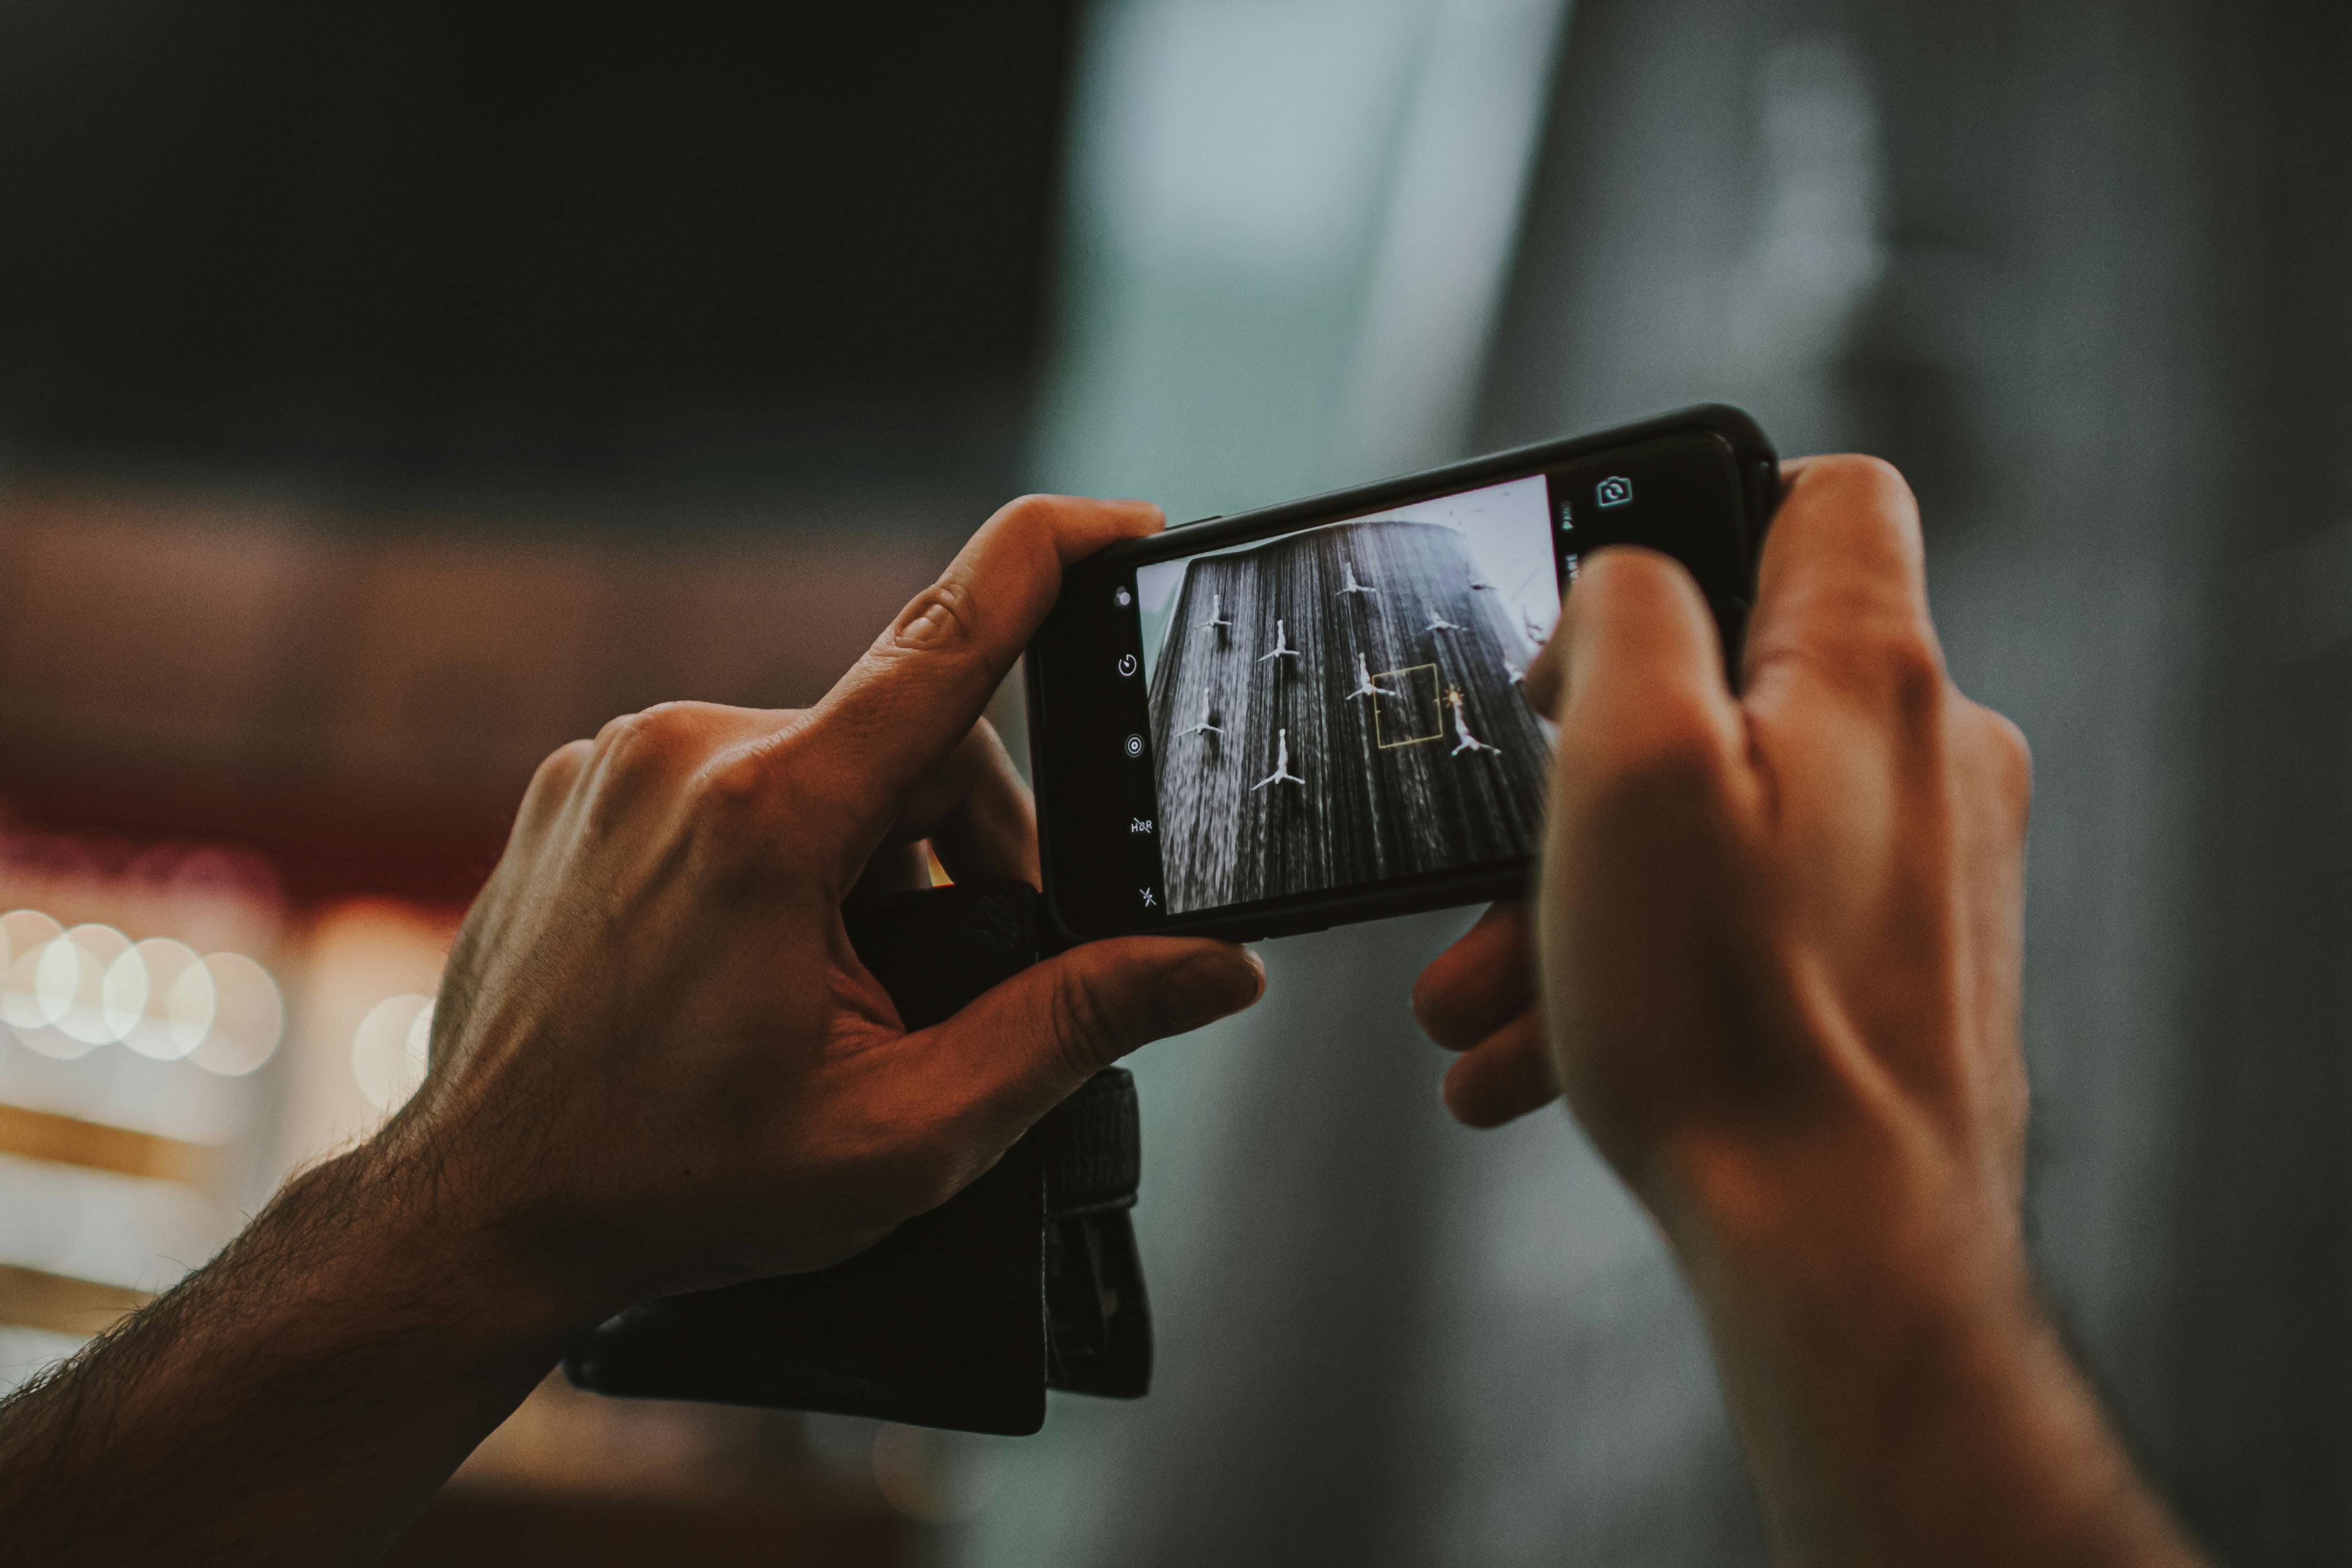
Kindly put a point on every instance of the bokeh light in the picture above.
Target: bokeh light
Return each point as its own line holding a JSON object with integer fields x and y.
{"x": 68, "y": 992}
{"x": 122, "y": 993}
{"x": 249, "y": 1016}
{"x": 176, "y": 1003}
{"x": 69, "y": 983}
{"x": 389, "y": 1049}
{"x": 25, "y": 935}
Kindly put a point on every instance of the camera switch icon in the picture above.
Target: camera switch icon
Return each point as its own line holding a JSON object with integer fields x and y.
{"x": 1614, "y": 490}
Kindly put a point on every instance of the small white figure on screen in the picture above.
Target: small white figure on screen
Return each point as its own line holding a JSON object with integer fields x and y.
{"x": 1282, "y": 773}
{"x": 1468, "y": 742}
{"x": 1281, "y": 648}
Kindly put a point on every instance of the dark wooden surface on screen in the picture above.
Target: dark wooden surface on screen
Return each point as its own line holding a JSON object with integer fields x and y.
{"x": 1386, "y": 785}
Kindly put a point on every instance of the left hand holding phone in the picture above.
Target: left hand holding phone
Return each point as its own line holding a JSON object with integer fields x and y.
{"x": 654, "y": 1040}
{"x": 656, "y": 1066}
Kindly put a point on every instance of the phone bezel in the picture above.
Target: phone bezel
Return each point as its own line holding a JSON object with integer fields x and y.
{"x": 1758, "y": 467}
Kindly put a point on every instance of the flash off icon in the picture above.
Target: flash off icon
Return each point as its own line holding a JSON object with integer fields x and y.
{"x": 1614, "y": 490}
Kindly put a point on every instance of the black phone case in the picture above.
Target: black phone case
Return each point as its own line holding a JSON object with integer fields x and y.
{"x": 1758, "y": 468}
{"x": 963, "y": 1317}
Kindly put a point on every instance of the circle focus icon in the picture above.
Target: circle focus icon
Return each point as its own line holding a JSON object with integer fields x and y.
{"x": 1127, "y": 664}
{"x": 1135, "y": 745}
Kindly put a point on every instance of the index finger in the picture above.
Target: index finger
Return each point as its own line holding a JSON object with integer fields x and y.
{"x": 919, "y": 690}
{"x": 1481, "y": 983}
{"x": 1841, "y": 590}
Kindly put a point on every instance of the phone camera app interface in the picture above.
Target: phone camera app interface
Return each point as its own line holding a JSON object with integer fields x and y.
{"x": 1347, "y": 704}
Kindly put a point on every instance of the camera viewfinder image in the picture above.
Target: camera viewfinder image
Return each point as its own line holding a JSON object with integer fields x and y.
{"x": 1347, "y": 704}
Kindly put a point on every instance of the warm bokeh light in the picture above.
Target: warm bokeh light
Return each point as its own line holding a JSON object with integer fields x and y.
{"x": 25, "y": 935}
{"x": 67, "y": 992}
{"x": 389, "y": 1047}
{"x": 249, "y": 1016}
{"x": 361, "y": 1019}
{"x": 71, "y": 978}
{"x": 122, "y": 994}
{"x": 177, "y": 1004}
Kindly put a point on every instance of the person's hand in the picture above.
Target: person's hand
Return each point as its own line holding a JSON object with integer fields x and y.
{"x": 1777, "y": 927}
{"x": 657, "y": 1065}
{"x": 1772, "y": 961}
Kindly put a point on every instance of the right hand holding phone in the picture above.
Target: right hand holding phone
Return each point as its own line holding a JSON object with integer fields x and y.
{"x": 1772, "y": 923}
{"x": 1773, "y": 963}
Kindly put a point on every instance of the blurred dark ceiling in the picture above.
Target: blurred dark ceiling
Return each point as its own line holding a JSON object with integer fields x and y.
{"x": 413, "y": 231}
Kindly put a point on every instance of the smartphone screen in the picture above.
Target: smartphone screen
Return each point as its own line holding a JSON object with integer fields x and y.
{"x": 1347, "y": 704}
{"x": 1297, "y": 714}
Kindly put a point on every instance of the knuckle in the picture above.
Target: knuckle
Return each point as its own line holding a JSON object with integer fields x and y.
{"x": 625, "y": 742}
{"x": 624, "y": 747}
{"x": 2012, "y": 760}
{"x": 733, "y": 787}
{"x": 1866, "y": 481}
{"x": 1911, "y": 668}
{"x": 941, "y": 619}
{"x": 749, "y": 811}
{"x": 678, "y": 721}
{"x": 2016, "y": 752}
{"x": 561, "y": 769}
{"x": 1035, "y": 513}
{"x": 654, "y": 739}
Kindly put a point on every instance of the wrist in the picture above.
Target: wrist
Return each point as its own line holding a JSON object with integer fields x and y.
{"x": 1888, "y": 1213}
{"x": 356, "y": 1342}
{"x": 1901, "y": 1393}
{"x": 412, "y": 1251}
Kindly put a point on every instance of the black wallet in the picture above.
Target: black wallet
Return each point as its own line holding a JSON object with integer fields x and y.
{"x": 1027, "y": 1279}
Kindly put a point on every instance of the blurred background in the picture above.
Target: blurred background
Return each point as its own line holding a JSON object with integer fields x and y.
{"x": 390, "y": 394}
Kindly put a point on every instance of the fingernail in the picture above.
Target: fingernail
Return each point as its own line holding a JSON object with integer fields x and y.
{"x": 1209, "y": 988}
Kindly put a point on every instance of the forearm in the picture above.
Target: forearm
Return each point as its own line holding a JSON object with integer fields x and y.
{"x": 1900, "y": 1392}
{"x": 296, "y": 1401}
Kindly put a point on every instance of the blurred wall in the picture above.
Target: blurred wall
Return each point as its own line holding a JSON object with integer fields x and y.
{"x": 407, "y": 239}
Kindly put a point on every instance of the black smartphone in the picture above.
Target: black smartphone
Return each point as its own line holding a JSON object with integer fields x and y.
{"x": 1317, "y": 713}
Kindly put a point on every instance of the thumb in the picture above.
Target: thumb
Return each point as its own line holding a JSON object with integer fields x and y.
{"x": 1021, "y": 1048}
{"x": 1639, "y": 650}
